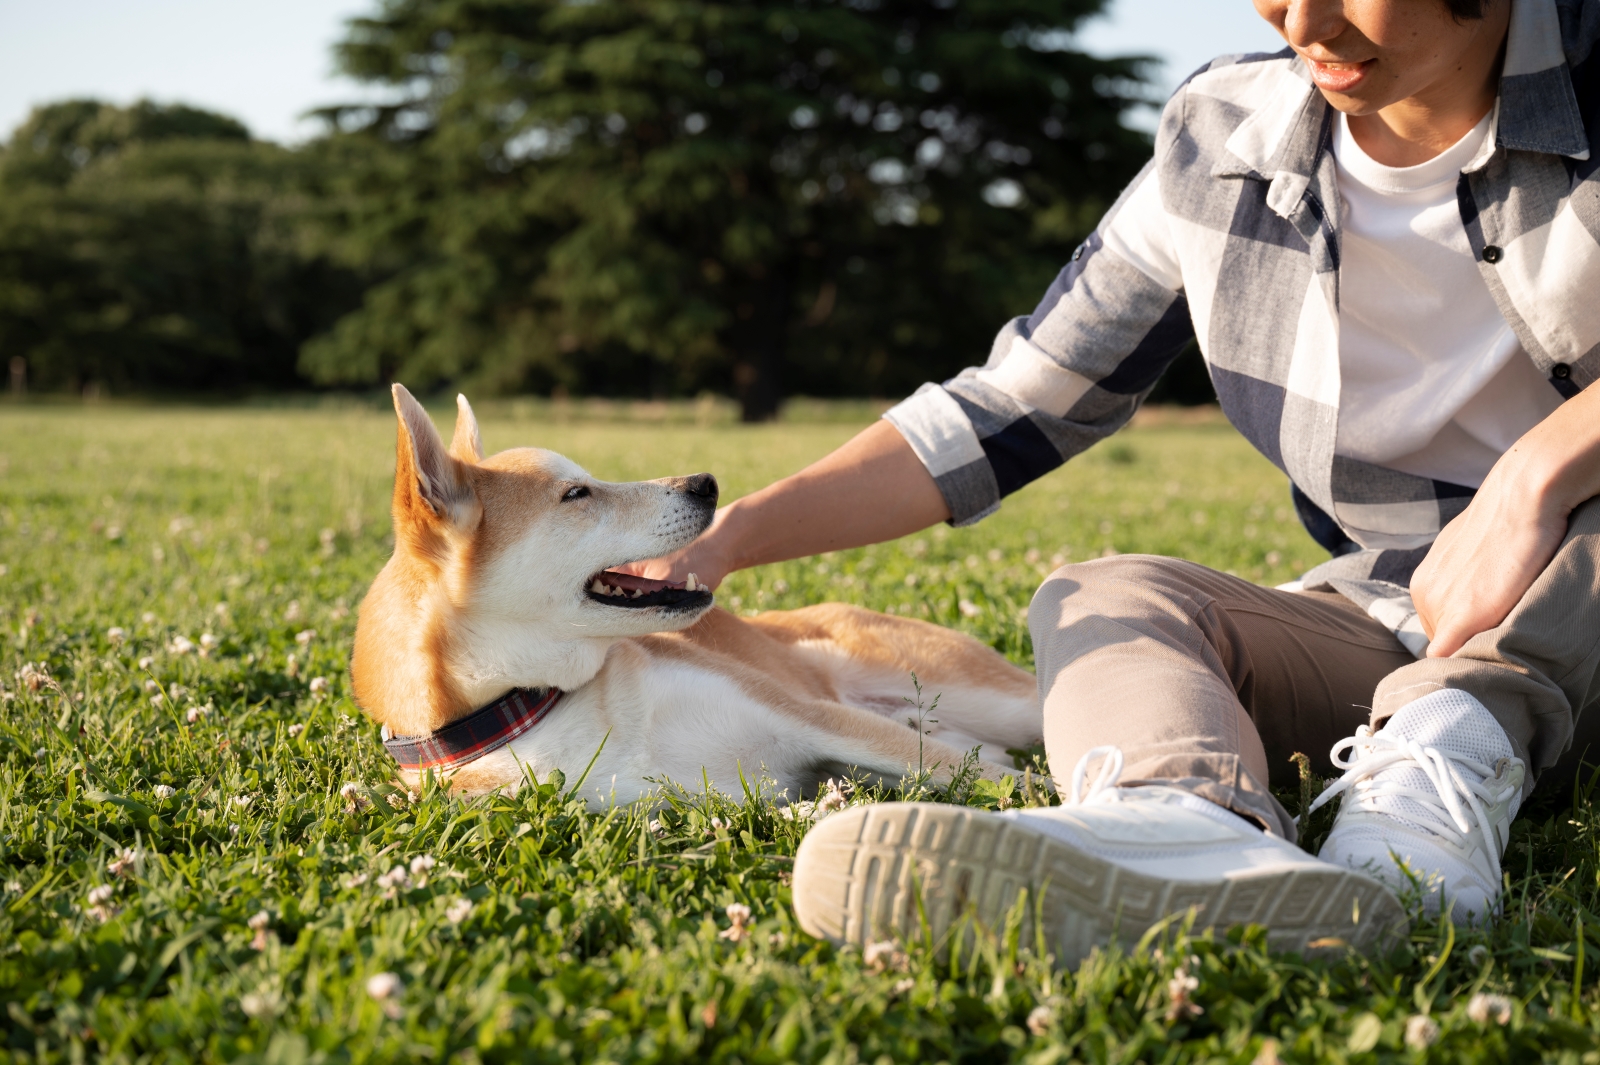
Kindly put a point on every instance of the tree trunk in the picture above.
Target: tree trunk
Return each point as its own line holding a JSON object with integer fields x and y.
{"x": 759, "y": 340}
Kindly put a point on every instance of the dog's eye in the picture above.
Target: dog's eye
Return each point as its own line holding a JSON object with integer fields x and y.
{"x": 577, "y": 492}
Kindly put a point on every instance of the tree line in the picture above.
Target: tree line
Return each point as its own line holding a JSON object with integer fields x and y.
{"x": 620, "y": 197}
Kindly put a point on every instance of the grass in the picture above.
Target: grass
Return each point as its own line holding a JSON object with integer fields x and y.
{"x": 177, "y": 890}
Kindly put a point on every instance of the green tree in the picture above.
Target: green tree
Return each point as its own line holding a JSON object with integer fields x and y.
{"x": 655, "y": 196}
{"x": 160, "y": 247}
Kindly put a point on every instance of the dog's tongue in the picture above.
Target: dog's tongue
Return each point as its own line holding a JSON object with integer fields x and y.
{"x": 629, "y": 583}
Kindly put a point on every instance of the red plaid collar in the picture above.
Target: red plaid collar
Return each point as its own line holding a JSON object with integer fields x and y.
{"x": 475, "y": 735}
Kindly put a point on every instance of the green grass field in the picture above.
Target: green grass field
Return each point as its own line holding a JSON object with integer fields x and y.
{"x": 181, "y": 877}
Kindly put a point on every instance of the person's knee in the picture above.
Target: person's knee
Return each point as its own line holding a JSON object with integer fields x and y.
{"x": 1107, "y": 586}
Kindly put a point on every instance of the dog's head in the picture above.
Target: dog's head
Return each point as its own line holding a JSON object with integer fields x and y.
{"x": 502, "y": 574}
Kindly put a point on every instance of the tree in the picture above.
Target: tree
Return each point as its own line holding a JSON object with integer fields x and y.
{"x": 159, "y": 247}
{"x": 656, "y": 196}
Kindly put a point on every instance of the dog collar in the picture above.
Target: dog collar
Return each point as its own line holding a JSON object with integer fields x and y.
{"x": 475, "y": 735}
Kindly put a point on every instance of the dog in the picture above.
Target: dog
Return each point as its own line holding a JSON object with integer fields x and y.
{"x": 500, "y": 640}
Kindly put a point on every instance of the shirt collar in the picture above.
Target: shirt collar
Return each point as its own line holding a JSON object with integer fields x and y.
{"x": 1538, "y": 112}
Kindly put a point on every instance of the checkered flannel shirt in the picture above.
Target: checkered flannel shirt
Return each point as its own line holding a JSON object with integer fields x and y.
{"x": 1230, "y": 235}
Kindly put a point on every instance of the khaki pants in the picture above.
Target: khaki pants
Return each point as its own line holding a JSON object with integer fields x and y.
{"x": 1209, "y": 683}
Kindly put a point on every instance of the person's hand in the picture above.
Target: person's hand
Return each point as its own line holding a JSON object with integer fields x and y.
{"x": 703, "y": 557}
{"x": 1485, "y": 561}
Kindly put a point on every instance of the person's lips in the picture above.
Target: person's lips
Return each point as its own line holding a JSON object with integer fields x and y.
{"x": 1338, "y": 77}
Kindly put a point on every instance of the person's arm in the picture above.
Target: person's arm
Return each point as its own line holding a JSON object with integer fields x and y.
{"x": 873, "y": 488}
{"x": 1485, "y": 561}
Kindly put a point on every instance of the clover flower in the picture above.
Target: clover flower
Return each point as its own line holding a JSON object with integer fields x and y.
{"x": 1483, "y": 1008}
{"x": 354, "y": 800}
{"x": 181, "y": 645}
{"x": 99, "y": 900}
{"x": 1179, "y": 1005}
{"x": 164, "y": 791}
{"x": 319, "y": 685}
{"x": 195, "y": 714}
{"x": 1040, "y": 1018}
{"x": 739, "y": 914}
{"x": 146, "y": 661}
{"x": 258, "y": 923}
{"x": 458, "y": 911}
{"x": 1421, "y": 1032}
{"x": 884, "y": 955}
{"x": 123, "y": 862}
{"x": 385, "y": 988}
{"x": 116, "y": 634}
{"x": 295, "y": 730}
{"x": 305, "y": 636}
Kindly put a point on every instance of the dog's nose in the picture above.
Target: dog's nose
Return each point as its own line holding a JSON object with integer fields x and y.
{"x": 702, "y": 485}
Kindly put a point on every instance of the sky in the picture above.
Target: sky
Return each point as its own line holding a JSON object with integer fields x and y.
{"x": 266, "y": 62}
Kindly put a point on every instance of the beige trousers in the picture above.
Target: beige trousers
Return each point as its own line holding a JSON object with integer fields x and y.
{"x": 1210, "y": 683}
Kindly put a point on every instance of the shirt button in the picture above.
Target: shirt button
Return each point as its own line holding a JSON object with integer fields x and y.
{"x": 1492, "y": 253}
{"x": 1561, "y": 371}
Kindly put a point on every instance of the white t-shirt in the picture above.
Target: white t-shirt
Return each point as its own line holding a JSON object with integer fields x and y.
{"x": 1433, "y": 381}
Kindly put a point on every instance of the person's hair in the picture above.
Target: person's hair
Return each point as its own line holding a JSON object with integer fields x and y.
{"x": 1465, "y": 9}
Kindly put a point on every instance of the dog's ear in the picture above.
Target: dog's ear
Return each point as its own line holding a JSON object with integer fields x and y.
{"x": 466, "y": 445}
{"x": 430, "y": 487}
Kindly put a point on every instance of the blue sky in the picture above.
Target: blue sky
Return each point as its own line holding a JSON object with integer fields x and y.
{"x": 268, "y": 61}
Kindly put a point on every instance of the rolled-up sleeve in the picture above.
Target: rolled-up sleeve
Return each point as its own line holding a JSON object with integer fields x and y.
{"x": 1065, "y": 377}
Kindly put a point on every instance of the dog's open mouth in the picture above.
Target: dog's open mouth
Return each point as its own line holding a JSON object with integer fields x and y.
{"x": 624, "y": 589}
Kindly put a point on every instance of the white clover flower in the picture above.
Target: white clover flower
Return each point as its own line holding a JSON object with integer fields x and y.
{"x": 420, "y": 867}
{"x": 209, "y": 642}
{"x": 305, "y": 636}
{"x": 319, "y": 685}
{"x": 291, "y": 668}
{"x": 177, "y": 691}
{"x": 385, "y": 988}
{"x": 148, "y": 618}
{"x": 832, "y": 799}
{"x": 258, "y": 924}
{"x": 116, "y": 634}
{"x": 99, "y": 896}
{"x": 195, "y": 713}
{"x": 164, "y": 791}
{"x": 292, "y": 611}
{"x": 656, "y": 830}
{"x": 261, "y": 1005}
{"x": 123, "y": 862}
{"x": 739, "y": 914}
{"x": 1179, "y": 1005}
{"x": 243, "y": 801}
{"x": 354, "y": 800}
{"x": 1421, "y": 1032}
{"x": 181, "y": 645}
{"x": 146, "y": 662}
{"x": 1040, "y": 1019}
{"x": 1483, "y": 1008}
{"x": 395, "y": 800}
{"x": 295, "y": 730}
{"x": 884, "y": 955}
{"x": 458, "y": 911}
{"x": 38, "y": 755}
{"x": 969, "y": 609}
{"x": 157, "y": 699}
{"x": 355, "y": 880}
{"x": 394, "y": 879}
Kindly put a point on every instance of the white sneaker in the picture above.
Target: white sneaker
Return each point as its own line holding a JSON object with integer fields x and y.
{"x": 1112, "y": 863}
{"x": 1433, "y": 792}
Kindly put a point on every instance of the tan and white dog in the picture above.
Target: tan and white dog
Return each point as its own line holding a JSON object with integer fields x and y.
{"x": 502, "y": 579}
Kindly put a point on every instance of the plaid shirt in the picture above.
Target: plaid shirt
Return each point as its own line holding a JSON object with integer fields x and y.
{"x": 1231, "y": 235}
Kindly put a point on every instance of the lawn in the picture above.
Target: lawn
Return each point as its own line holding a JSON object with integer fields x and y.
{"x": 185, "y": 873}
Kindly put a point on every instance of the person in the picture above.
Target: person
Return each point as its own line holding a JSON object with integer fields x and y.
{"x": 1386, "y": 239}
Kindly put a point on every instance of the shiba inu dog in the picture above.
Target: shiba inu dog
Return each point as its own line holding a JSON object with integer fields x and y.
{"x": 501, "y": 640}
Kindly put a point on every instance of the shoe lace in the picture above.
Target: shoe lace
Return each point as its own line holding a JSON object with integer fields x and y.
{"x": 1453, "y": 777}
{"x": 1103, "y": 789}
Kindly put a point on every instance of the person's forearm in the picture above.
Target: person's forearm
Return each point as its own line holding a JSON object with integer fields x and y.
{"x": 873, "y": 488}
{"x": 1558, "y": 460}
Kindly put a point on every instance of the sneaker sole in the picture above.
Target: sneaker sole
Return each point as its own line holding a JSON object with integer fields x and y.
{"x": 859, "y": 873}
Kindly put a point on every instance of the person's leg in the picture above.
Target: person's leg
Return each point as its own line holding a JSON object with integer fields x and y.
{"x": 1456, "y": 743}
{"x": 1540, "y": 668}
{"x": 1169, "y": 661}
{"x": 1204, "y": 681}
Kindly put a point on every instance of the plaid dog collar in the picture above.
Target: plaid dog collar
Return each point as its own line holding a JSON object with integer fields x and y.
{"x": 475, "y": 735}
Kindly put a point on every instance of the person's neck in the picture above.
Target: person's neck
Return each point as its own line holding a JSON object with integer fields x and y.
{"x": 1420, "y": 127}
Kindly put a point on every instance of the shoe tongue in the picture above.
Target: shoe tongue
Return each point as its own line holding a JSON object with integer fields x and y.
{"x": 1452, "y": 720}
{"x": 1449, "y": 720}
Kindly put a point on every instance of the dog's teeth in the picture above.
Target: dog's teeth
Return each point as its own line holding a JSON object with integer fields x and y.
{"x": 598, "y": 587}
{"x": 692, "y": 584}
{"x": 636, "y": 593}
